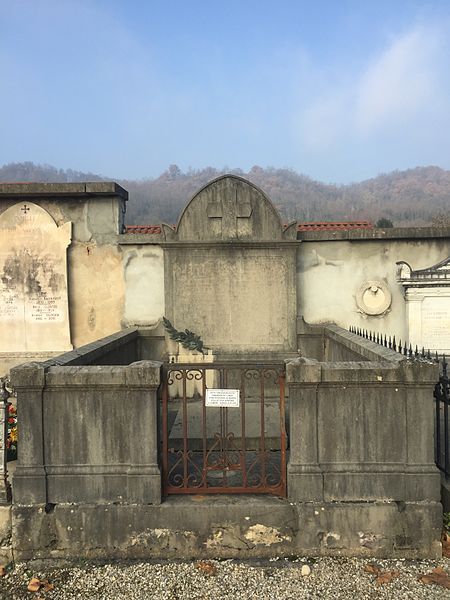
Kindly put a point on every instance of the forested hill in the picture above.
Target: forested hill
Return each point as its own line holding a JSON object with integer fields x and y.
{"x": 417, "y": 196}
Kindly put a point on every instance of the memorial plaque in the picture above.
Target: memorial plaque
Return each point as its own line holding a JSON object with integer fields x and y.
{"x": 436, "y": 322}
{"x": 222, "y": 398}
{"x": 34, "y": 313}
{"x": 427, "y": 305}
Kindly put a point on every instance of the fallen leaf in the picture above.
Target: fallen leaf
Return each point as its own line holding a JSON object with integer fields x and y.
{"x": 2, "y": 570}
{"x": 34, "y": 585}
{"x": 386, "y": 577}
{"x": 206, "y": 567}
{"x": 371, "y": 568}
{"x": 445, "y": 539}
{"x": 47, "y": 586}
{"x": 381, "y": 576}
{"x": 437, "y": 576}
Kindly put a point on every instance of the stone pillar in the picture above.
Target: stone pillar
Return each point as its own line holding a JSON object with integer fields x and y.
{"x": 29, "y": 481}
{"x": 144, "y": 476}
{"x": 304, "y": 475}
{"x": 422, "y": 478}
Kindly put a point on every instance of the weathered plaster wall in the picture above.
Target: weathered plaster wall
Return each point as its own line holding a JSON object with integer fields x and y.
{"x": 330, "y": 273}
{"x": 96, "y": 287}
{"x": 96, "y": 291}
{"x": 229, "y": 272}
{"x": 144, "y": 284}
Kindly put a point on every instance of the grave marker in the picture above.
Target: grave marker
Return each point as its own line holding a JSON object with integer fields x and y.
{"x": 34, "y": 314}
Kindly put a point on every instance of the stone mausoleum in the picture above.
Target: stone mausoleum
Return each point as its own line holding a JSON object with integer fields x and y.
{"x": 279, "y": 432}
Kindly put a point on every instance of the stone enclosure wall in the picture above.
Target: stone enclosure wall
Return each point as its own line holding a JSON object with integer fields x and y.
{"x": 361, "y": 474}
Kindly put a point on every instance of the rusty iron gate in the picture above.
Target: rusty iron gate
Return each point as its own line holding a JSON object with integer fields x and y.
{"x": 223, "y": 428}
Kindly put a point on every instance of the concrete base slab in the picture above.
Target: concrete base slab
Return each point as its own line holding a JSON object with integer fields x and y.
{"x": 226, "y": 527}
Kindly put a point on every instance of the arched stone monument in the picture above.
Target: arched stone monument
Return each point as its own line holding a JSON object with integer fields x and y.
{"x": 230, "y": 270}
{"x": 34, "y": 315}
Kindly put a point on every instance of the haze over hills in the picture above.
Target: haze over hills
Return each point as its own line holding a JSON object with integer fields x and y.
{"x": 417, "y": 196}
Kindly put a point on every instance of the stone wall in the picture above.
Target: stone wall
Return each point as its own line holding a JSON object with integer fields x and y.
{"x": 335, "y": 270}
{"x": 231, "y": 256}
{"x": 93, "y": 213}
{"x": 361, "y": 473}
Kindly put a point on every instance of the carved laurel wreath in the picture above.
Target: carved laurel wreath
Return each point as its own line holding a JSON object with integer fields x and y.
{"x": 188, "y": 339}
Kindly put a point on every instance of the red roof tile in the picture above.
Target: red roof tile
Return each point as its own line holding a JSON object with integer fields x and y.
{"x": 143, "y": 229}
{"x": 310, "y": 226}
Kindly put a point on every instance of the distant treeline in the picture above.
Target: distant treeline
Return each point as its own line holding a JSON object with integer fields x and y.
{"x": 419, "y": 196}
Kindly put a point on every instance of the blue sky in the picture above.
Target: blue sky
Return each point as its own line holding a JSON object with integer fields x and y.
{"x": 339, "y": 90}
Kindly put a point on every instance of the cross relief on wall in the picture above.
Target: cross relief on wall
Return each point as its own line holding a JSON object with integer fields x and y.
{"x": 230, "y": 210}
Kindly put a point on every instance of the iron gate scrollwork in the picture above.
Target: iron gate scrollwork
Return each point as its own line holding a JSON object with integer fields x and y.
{"x": 223, "y": 449}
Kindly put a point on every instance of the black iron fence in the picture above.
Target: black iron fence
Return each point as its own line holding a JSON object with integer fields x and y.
{"x": 442, "y": 397}
{"x": 441, "y": 389}
{"x": 390, "y": 342}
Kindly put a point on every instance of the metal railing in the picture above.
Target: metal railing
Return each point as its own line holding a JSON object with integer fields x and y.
{"x": 239, "y": 448}
{"x": 442, "y": 397}
{"x": 390, "y": 342}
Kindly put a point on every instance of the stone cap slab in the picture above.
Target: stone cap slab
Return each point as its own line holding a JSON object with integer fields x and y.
{"x": 410, "y": 372}
{"x": 142, "y": 373}
{"x": 91, "y": 352}
{"x": 390, "y": 233}
{"x": 36, "y": 190}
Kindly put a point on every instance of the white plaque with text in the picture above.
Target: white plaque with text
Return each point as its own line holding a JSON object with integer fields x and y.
{"x": 34, "y": 307}
{"x": 222, "y": 398}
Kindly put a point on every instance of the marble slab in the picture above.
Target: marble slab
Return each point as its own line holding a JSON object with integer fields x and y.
{"x": 34, "y": 310}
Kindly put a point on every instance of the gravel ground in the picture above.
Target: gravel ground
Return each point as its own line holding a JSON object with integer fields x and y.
{"x": 281, "y": 579}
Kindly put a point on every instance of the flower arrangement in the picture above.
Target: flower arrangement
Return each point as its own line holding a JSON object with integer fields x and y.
{"x": 11, "y": 440}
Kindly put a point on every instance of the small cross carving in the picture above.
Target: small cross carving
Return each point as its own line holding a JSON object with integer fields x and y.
{"x": 25, "y": 209}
